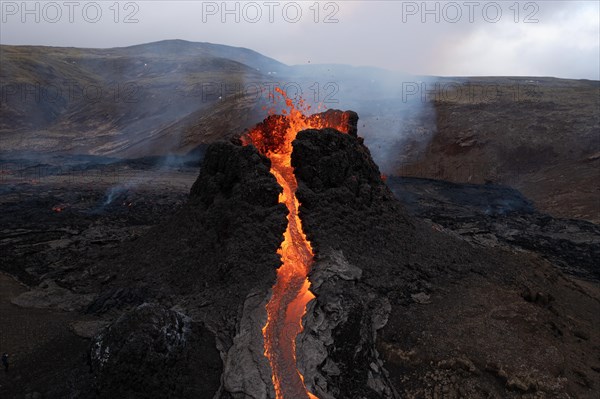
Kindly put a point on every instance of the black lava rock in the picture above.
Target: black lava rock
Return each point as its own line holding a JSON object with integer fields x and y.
{"x": 155, "y": 352}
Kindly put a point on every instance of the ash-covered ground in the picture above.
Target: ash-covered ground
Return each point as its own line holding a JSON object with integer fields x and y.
{"x": 144, "y": 279}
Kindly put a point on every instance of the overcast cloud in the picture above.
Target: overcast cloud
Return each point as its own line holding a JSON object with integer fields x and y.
{"x": 543, "y": 38}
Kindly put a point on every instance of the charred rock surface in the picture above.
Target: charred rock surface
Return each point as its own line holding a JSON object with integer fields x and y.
{"x": 336, "y": 352}
{"x": 218, "y": 246}
{"x": 493, "y": 215}
{"x": 464, "y": 321}
{"x": 152, "y": 351}
{"x": 216, "y": 259}
{"x": 346, "y": 206}
{"x": 247, "y": 374}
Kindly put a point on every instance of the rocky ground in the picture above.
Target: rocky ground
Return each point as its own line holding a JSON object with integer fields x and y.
{"x": 493, "y": 215}
{"x": 434, "y": 295}
{"x": 57, "y": 223}
{"x": 464, "y": 321}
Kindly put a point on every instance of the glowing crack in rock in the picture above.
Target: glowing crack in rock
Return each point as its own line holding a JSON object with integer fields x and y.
{"x": 291, "y": 292}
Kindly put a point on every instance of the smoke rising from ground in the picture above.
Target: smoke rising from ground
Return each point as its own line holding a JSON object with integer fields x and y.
{"x": 394, "y": 109}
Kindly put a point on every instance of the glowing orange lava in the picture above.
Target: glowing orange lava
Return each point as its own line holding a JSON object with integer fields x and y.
{"x": 291, "y": 292}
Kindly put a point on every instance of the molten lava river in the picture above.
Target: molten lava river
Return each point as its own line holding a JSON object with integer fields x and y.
{"x": 291, "y": 291}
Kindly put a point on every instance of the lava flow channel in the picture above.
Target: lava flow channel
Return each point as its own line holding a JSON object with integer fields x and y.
{"x": 291, "y": 291}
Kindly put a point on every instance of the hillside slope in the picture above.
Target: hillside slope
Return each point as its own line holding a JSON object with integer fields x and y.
{"x": 539, "y": 135}
{"x": 114, "y": 101}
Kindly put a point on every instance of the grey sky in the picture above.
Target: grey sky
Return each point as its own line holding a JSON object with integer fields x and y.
{"x": 544, "y": 38}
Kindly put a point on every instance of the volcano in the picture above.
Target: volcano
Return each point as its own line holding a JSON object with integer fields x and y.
{"x": 292, "y": 271}
{"x": 314, "y": 281}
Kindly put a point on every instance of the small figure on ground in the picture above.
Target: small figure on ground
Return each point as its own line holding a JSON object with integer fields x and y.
{"x": 5, "y": 361}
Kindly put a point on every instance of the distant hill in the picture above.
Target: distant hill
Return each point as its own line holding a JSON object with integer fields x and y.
{"x": 163, "y": 97}
{"x": 115, "y": 101}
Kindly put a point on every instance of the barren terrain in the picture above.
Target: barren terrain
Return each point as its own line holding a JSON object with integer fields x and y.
{"x": 456, "y": 239}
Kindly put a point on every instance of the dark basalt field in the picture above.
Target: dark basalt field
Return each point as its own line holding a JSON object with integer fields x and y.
{"x": 150, "y": 279}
